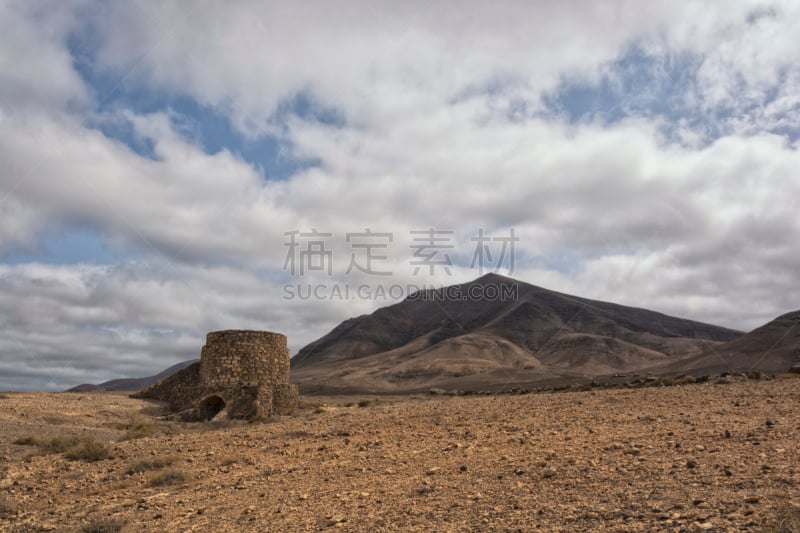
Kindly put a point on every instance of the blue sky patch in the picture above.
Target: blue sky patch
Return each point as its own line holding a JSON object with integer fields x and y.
{"x": 637, "y": 84}
{"x": 203, "y": 125}
{"x": 77, "y": 245}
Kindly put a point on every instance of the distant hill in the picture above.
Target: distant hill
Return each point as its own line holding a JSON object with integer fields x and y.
{"x": 771, "y": 348}
{"x": 489, "y": 342}
{"x": 132, "y": 384}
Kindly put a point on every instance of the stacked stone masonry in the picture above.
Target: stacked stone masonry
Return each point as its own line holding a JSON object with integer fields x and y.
{"x": 244, "y": 373}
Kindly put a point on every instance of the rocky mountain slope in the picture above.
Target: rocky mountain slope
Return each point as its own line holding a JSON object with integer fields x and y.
{"x": 466, "y": 337}
{"x": 771, "y": 348}
{"x": 132, "y": 384}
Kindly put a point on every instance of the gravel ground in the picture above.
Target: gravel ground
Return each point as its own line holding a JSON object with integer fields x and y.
{"x": 708, "y": 457}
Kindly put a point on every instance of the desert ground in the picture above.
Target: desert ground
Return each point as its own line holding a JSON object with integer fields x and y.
{"x": 718, "y": 456}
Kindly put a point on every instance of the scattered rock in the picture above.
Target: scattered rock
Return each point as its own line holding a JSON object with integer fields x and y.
{"x": 296, "y": 473}
{"x": 549, "y": 472}
{"x": 331, "y": 521}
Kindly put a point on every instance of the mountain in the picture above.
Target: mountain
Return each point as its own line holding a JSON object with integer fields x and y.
{"x": 466, "y": 337}
{"x": 771, "y": 348}
{"x": 132, "y": 384}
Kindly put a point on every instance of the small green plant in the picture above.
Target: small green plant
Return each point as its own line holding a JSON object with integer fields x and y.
{"x": 171, "y": 476}
{"x": 104, "y": 525}
{"x": 139, "y": 431}
{"x": 27, "y": 440}
{"x": 88, "y": 449}
{"x": 319, "y": 410}
{"x": 156, "y": 463}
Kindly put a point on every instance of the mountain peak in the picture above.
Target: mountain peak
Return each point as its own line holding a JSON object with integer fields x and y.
{"x": 495, "y": 278}
{"x": 477, "y": 338}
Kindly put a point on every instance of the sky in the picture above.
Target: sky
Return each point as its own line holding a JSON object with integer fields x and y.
{"x": 173, "y": 168}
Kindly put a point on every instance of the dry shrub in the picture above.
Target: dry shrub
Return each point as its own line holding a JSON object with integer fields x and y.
{"x": 55, "y": 420}
{"x": 230, "y": 460}
{"x": 88, "y": 449}
{"x": 48, "y": 447}
{"x": 85, "y": 449}
{"x": 786, "y": 520}
{"x": 139, "y": 431}
{"x": 28, "y": 528}
{"x": 171, "y": 476}
{"x": 7, "y": 507}
{"x": 58, "y": 444}
{"x": 156, "y": 463}
{"x": 104, "y": 525}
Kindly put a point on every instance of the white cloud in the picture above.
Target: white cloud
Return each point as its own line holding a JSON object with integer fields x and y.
{"x": 69, "y": 324}
{"x": 377, "y": 63}
{"x": 35, "y": 67}
{"x": 440, "y": 129}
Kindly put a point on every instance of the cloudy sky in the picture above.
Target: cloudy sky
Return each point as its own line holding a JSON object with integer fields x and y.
{"x": 164, "y": 164}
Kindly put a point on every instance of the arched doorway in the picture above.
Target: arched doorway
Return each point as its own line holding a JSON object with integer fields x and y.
{"x": 211, "y": 406}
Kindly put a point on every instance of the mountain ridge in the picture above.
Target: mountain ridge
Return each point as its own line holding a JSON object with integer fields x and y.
{"x": 439, "y": 335}
{"x": 772, "y": 348}
{"x": 132, "y": 384}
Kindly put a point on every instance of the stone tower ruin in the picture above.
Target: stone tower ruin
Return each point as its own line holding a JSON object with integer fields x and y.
{"x": 244, "y": 373}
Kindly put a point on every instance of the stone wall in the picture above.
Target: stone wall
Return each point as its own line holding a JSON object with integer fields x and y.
{"x": 180, "y": 389}
{"x": 233, "y": 357}
{"x": 243, "y": 373}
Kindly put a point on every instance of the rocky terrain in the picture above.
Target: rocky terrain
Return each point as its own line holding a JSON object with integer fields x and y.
{"x": 717, "y": 456}
{"x": 495, "y": 330}
{"x": 773, "y": 347}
